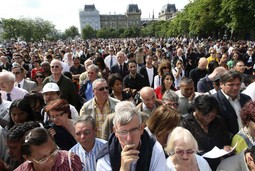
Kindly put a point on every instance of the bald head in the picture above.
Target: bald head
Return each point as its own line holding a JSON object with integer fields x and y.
{"x": 148, "y": 97}
{"x": 217, "y": 73}
{"x": 202, "y": 63}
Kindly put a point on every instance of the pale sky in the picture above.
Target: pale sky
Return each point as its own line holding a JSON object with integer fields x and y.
{"x": 65, "y": 13}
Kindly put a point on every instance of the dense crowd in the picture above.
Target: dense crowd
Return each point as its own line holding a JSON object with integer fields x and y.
{"x": 127, "y": 104}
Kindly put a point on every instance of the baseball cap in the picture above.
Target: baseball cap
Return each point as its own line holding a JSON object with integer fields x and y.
{"x": 50, "y": 87}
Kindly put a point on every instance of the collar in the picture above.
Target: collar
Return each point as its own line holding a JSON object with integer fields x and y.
{"x": 229, "y": 98}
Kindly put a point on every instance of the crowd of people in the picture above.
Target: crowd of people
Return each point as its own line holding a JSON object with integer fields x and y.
{"x": 127, "y": 104}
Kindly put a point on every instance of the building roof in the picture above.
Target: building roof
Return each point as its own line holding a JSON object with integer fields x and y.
{"x": 168, "y": 8}
{"x": 89, "y": 8}
{"x": 133, "y": 8}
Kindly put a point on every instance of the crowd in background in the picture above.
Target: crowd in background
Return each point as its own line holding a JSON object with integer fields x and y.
{"x": 186, "y": 96}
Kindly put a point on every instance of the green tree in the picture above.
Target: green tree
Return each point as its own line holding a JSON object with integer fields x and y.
{"x": 238, "y": 16}
{"x": 71, "y": 32}
{"x": 88, "y": 32}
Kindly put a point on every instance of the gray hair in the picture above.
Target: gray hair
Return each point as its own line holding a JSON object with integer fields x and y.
{"x": 124, "y": 112}
{"x": 9, "y": 75}
{"x": 93, "y": 67}
{"x": 170, "y": 95}
{"x": 85, "y": 119}
{"x": 98, "y": 80}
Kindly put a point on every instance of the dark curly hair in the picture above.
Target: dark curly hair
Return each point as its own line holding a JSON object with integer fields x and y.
{"x": 205, "y": 104}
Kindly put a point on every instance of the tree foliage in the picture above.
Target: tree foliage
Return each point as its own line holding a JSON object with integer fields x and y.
{"x": 88, "y": 32}
{"x": 71, "y": 32}
{"x": 27, "y": 29}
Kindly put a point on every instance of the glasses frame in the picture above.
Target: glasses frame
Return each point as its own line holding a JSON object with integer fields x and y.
{"x": 57, "y": 116}
{"x": 182, "y": 152}
{"x": 85, "y": 132}
{"x": 132, "y": 131}
{"x": 103, "y": 88}
{"x": 45, "y": 159}
{"x": 54, "y": 66}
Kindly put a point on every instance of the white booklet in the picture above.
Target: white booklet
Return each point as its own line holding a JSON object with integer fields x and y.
{"x": 216, "y": 152}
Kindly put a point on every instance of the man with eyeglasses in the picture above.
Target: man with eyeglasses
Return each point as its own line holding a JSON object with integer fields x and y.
{"x": 129, "y": 146}
{"x": 66, "y": 85}
{"x": 170, "y": 99}
{"x": 21, "y": 82}
{"x": 100, "y": 105}
{"x": 88, "y": 145}
{"x": 231, "y": 100}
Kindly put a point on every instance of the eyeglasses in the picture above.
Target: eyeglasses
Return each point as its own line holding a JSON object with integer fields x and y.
{"x": 103, "y": 88}
{"x": 132, "y": 131}
{"x": 56, "y": 116}
{"x": 45, "y": 159}
{"x": 181, "y": 152}
{"x": 16, "y": 73}
{"x": 36, "y": 61}
{"x": 171, "y": 105}
{"x": 164, "y": 67}
{"x": 39, "y": 76}
{"x": 56, "y": 66}
{"x": 85, "y": 132}
{"x": 16, "y": 58}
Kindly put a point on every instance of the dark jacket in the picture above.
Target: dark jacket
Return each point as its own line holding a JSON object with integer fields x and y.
{"x": 228, "y": 112}
{"x": 143, "y": 71}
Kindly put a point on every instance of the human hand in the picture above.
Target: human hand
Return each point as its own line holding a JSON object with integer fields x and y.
{"x": 227, "y": 148}
{"x": 52, "y": 132}
{"x": 128, "y": 155}
{"x": 191, "y": 97}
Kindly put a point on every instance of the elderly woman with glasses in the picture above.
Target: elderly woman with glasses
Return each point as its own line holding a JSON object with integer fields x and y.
{"x": 182, "y": 148}
{"x": 61, "y": 127}
{"x": 41, "y": 153}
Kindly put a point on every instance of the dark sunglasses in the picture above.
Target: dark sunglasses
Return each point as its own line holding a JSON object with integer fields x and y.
{"x": 39, "y": 76}
{"x": 16, "y": 73}
{"x": 164, "y": 67}
{"x": 103, "y": 88}
{"x": 55, "y": 66}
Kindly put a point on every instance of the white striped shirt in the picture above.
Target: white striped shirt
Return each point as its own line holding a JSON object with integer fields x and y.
{"x": 88, "y": 159}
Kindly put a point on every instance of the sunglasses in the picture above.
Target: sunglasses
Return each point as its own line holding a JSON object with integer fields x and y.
{"x": 39, "y": 76}
{"x": 103, "y": 88}
{"x": 16, "y": 73}
{"x": 55, "y": 66}
{"x": 164, "y": 67}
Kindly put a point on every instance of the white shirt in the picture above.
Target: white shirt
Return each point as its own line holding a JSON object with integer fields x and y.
{"x": 250, "y": 91}
{"x": 150, "y": 74}
{"x": 21, "y": 83}
{"x": 158, "y": 160}
{"x": 107, "y": 60}
{"x": 4, "y": 110}
{"x": 236, "y": 106}
{"x": 16, "y": 93}
{"x": 201, "y": 162}
{"x": 157, "y": 81}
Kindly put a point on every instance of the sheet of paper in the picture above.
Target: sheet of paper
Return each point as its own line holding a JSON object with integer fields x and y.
{"x": 216, "y": 152}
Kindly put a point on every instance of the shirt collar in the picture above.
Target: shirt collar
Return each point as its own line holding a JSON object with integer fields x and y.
{"x": 229, "y": 98}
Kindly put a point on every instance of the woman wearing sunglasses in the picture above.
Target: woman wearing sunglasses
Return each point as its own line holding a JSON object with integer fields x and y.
{"x": 39, "y": 77}
{"x": 182, "y": 148}
{"x": 41, "y": 153}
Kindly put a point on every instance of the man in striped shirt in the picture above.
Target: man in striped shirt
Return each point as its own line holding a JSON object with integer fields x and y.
{"x": 88, "y": 145}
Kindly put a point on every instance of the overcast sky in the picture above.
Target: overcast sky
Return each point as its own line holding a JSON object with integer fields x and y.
{"x": 65, "y": 13}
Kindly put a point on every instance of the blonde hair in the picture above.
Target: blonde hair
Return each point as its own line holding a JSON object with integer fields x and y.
{"x": 180, "y": 134}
